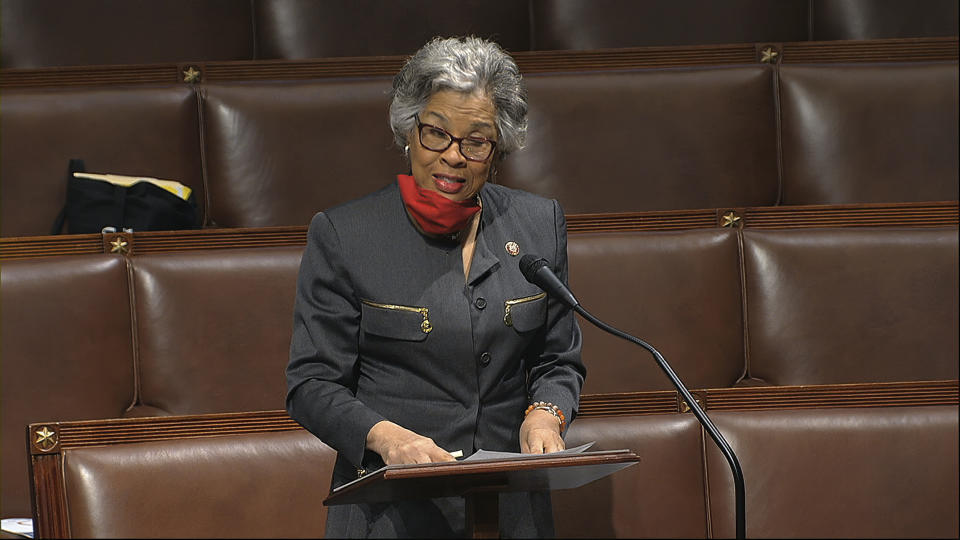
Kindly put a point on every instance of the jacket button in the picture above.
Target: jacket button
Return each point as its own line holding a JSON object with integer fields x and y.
{"x": 480, "y": 302}
{"x": 485, "y": 359}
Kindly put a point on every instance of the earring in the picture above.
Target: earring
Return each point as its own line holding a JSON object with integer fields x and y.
{"x": 406, "y": 151}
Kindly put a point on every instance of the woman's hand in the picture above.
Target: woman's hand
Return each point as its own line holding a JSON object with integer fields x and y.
{"x": 540, "y": 433}
{"x": 397, "y": 445}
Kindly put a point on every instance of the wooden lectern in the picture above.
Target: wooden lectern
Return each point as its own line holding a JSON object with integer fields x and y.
{"x": 480, "y": 482}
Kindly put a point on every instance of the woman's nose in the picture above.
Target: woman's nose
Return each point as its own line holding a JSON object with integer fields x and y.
{"x": 452, "y": 156}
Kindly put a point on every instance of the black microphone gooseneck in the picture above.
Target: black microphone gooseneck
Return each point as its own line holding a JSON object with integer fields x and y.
{"x": 537, "y": 271}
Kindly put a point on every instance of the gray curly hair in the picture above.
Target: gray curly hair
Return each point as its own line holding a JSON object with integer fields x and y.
{"x": 464, "y": 64}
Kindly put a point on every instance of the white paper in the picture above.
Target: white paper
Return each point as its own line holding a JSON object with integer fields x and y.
{"x": 490, "y": 454}
{"x": 21, "y": 526}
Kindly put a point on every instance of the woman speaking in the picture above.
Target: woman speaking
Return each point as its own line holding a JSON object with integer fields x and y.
{"x": 415, "y": 334}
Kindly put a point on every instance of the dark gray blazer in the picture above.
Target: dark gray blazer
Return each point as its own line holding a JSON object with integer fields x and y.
{"x": 385, "y": 327}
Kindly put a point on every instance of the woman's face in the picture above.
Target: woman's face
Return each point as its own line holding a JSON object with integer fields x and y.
{"x": 448, "y": 172}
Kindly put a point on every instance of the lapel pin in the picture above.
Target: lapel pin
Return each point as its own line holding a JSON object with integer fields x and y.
{"x": 512, "y": 248}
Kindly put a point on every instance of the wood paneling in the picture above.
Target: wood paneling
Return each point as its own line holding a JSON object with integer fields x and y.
{"x": 896, "y": 394}
{"x": 932, "y": 214}
{"x": 882, "y": 50}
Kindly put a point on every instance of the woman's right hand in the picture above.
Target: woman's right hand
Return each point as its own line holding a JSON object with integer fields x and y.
{"x": 398, "y": 445}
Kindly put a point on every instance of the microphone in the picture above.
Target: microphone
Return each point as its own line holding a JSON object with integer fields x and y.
{"x": 537, "y": 271}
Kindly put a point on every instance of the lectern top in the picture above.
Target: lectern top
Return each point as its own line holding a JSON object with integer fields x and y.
{"x": 528, "y": 472}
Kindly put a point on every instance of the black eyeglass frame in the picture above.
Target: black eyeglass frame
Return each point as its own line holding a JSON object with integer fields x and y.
{"x": 458, "y": 140}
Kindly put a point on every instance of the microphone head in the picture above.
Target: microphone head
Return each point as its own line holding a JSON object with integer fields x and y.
{"x": 529, "y": 264}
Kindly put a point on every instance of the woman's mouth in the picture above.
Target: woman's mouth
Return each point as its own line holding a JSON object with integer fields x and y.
{"x": 448, "y": 184}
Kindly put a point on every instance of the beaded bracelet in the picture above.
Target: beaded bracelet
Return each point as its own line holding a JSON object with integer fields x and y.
{"x": 550, "y": 408}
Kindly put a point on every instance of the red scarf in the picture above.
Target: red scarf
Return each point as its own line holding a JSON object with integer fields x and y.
{"x": 435, "y": 213}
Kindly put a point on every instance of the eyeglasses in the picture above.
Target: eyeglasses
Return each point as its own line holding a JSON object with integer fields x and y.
{"x": 438, "y": 139}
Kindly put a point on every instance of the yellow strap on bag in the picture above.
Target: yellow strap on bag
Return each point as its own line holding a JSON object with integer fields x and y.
{"x": 172, "y": 186}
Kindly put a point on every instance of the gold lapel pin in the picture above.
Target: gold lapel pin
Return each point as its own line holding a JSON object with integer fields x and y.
{"x": 512, "y": 248}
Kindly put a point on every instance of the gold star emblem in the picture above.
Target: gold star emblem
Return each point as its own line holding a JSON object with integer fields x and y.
{"x": 191, "y": 75}
{"x": 119, "y": 245}
{"x": 685, "y": 407}
{"x": 768, "y": 55}
{"x": 46, "y": 439}
{"x": 730, "y": 219}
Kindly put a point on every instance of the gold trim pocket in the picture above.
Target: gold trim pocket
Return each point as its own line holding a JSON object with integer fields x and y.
{"x": 527, "y": 313}
{"x": 406, "y": 323}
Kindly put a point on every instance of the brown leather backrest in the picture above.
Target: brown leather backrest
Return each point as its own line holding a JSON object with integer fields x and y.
{"x": 309, "y": 29}
{"x": 869, "y": 133}
{"x": 650, "y": 140}
{"x": 39, "y": 33}
{"x": 665, "y": 288}
{"x": 878, "y": 19}
{"x": 260, "y": 485}
{"x": 214, "y": 328}
{"x": 602, "y": 24}
{"x": 839, "y": 473}
{"x": 851, "y": 305}
{"x": 277, "y": 153}
{"x": 67, "y": 352}
{"x": 660, "y": 497}
{"x": 138, "y": 131}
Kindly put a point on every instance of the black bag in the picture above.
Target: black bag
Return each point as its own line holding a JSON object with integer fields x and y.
{"x": 93, "y": 205}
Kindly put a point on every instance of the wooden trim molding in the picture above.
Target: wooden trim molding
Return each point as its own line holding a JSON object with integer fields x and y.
{"x": 888, "y": 50}
{"x": 880, "y": 50}
{"x": 893, "y": 394}
{"x": 925, "y": 214}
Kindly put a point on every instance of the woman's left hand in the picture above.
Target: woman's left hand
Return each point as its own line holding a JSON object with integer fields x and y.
{"x": 540, "y": 433}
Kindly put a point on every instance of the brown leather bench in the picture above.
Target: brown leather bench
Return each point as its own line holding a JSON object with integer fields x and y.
{"x": 838, "y": 305}
{"x": 864, "y": 471}
{"x": 650, "y": 139}
{"x": 208, "y": 331}
{"x": 276, "y": 152}
{"x": 873, "y": 472}
{"x": 48, "y": 33}
{"x": 67, "y": 353}
{"x": 213, "y": 329}
{"x": 255, "y": 485}
{"x": 271, "y": 153}
{"x": 664, "y": 287}
{"x": 869, "y": 133}
{"x": 855, "y": 472}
